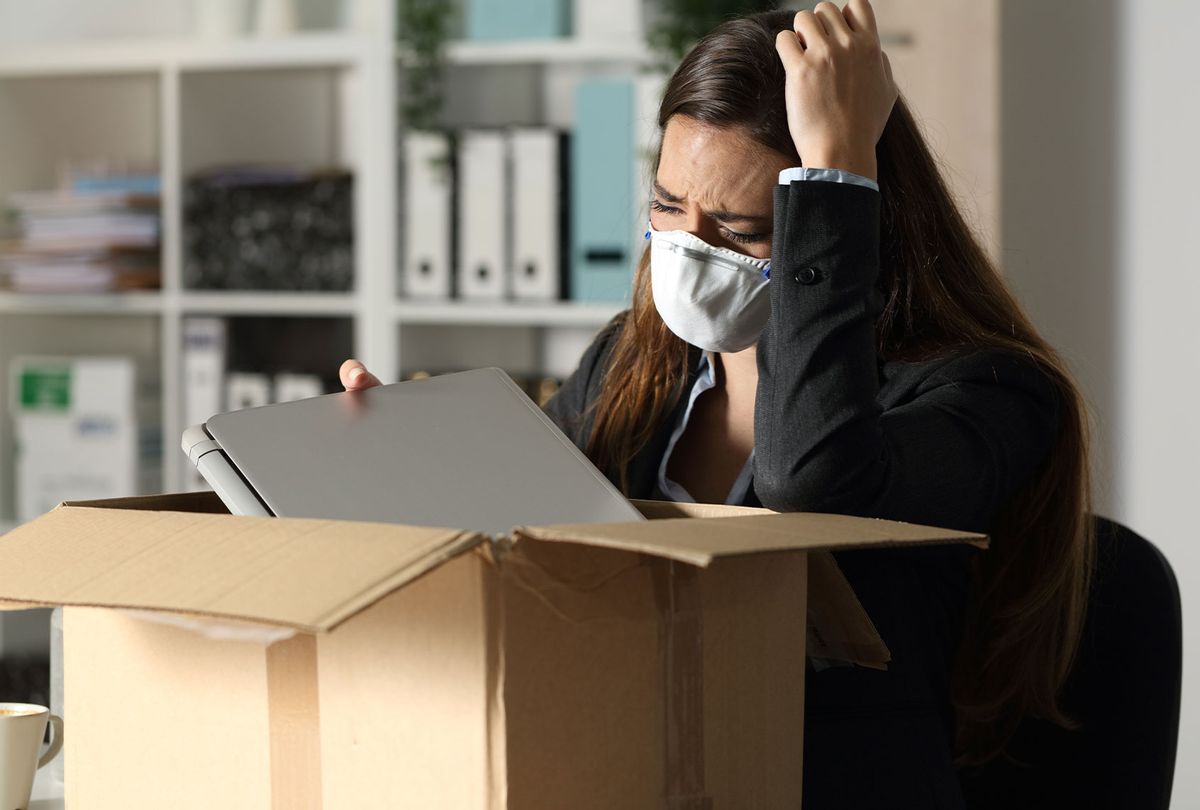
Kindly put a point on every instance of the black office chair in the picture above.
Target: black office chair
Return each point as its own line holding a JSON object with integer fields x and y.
{"x": 1124, "y": 690}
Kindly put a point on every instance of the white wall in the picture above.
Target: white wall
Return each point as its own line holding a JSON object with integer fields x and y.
{"x": 1159, "y": 304}
{"x": 1101, "y": 223}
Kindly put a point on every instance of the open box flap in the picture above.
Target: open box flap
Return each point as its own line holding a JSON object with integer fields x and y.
{"x": 305, "y": 574}
{"x": 697, "y": 533}
{"x": 183, "y": 553}
{"x": 202, "y": 501}
{"x": 839, "y": 628}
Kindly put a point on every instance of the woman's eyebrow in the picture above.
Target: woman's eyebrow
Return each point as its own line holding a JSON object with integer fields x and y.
{"x": 666, "y": 195}
{"x": 722, "y": 216}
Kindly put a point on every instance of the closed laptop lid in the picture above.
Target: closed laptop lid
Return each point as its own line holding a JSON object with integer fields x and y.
{"x": 467, "y": 450}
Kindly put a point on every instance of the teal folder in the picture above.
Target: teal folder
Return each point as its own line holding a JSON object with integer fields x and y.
{"x": 518, "y": 19}
{"x": 602, "y": 194}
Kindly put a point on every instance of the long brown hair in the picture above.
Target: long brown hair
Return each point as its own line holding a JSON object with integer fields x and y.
{"x": 943, "y": 295}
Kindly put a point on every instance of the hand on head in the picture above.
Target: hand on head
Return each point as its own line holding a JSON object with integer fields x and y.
{"x": 355, "y": 376}
{"x": 840, "y": 88}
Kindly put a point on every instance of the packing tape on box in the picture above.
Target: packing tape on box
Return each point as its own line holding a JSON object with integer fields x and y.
{"x": 677, "y": 599}
{"x": 294, "y": 723}
{"x": 573, "y": 601}
{"x": 293, "y": 710}
{"x": 681, "y": 614}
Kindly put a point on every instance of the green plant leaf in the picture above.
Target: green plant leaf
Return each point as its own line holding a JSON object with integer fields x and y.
{"x": 424, "y": 28}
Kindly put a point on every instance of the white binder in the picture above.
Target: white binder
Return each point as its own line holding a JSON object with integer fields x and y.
{"x": 291, "y": 387}
{"x": 482, "y": 196}
{"x": 538, "y": 206}
{"x": 203, "y": 377}
{"x": 203, "y": 367}
{"x": 244, "y": 390}
{"x": 427, "y": 214}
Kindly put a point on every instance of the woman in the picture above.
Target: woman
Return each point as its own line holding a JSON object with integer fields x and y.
{"x": 883, "y": 370}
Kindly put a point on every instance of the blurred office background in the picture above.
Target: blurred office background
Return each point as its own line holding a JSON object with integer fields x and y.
{"x": 210, "y": 203}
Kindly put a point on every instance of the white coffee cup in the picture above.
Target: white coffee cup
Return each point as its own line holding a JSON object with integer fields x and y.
{"x": 22, "y": 727}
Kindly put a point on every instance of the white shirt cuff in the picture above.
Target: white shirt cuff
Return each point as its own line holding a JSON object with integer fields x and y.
{"x": 829, "y": 175}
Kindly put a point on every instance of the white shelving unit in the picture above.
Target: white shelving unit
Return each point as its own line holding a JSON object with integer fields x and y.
{"x": 174, "y": 103}
{"x": 300, "y": 50}
{"x": 562, "y": 313}
{"x": 134, "y": 303}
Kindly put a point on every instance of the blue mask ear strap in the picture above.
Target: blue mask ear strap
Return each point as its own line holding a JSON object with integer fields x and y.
{"x": 647, "y": 234}
{"x": 767, "y": 272}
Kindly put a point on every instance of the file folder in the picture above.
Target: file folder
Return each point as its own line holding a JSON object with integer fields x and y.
{"x": 538, "y": 213}
{"x": 602, "y": 193}
{"x": 428, "y": 189}
{"x": 482, "y": 196}
{"x": 518, "y": 19}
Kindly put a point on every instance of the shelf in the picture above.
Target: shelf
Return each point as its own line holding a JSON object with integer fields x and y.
{"x": 572, "y": 50}
{"x": 147, "y": 56}
{"x": 506, "y": 313}
{"x": 129, "y": 303}
{"x": 543, "y": 51}
{"x": 308, "y": 50}
{"x": 324, "y": 49}
{"x": 237, "y": 302}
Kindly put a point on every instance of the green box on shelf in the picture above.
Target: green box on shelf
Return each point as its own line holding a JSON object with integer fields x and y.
{"x": 44, "y": 387}
{"x": 518, "y": 19}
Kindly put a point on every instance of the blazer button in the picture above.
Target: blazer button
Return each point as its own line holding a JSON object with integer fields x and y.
{"x": 806, "y": 276}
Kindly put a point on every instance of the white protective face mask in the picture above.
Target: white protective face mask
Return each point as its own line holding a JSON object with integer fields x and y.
{"x": 712, "y": 297}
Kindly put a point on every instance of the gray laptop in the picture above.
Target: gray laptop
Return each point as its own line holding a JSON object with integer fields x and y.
{"x": 467, "y": 450}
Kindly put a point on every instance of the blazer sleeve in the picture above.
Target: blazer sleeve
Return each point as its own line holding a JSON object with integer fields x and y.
{"x": 951, "y": 455}
{"x": 569, "y": 407}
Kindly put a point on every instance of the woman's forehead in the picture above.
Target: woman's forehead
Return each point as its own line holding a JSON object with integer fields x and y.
{"x": 717, "y": 167}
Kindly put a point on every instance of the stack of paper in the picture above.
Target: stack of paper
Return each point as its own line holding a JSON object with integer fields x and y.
{"x": 82, "y": 241}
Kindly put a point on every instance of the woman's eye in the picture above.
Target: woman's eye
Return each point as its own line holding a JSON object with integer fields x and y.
{"x": 733, "y": 236}
{"x": 745, "y": 238}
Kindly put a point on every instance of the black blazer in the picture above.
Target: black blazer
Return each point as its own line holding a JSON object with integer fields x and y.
{"x": 945, "y": 442}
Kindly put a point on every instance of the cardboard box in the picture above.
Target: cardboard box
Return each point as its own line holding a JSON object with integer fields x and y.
{"x": 335, "y": 664}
